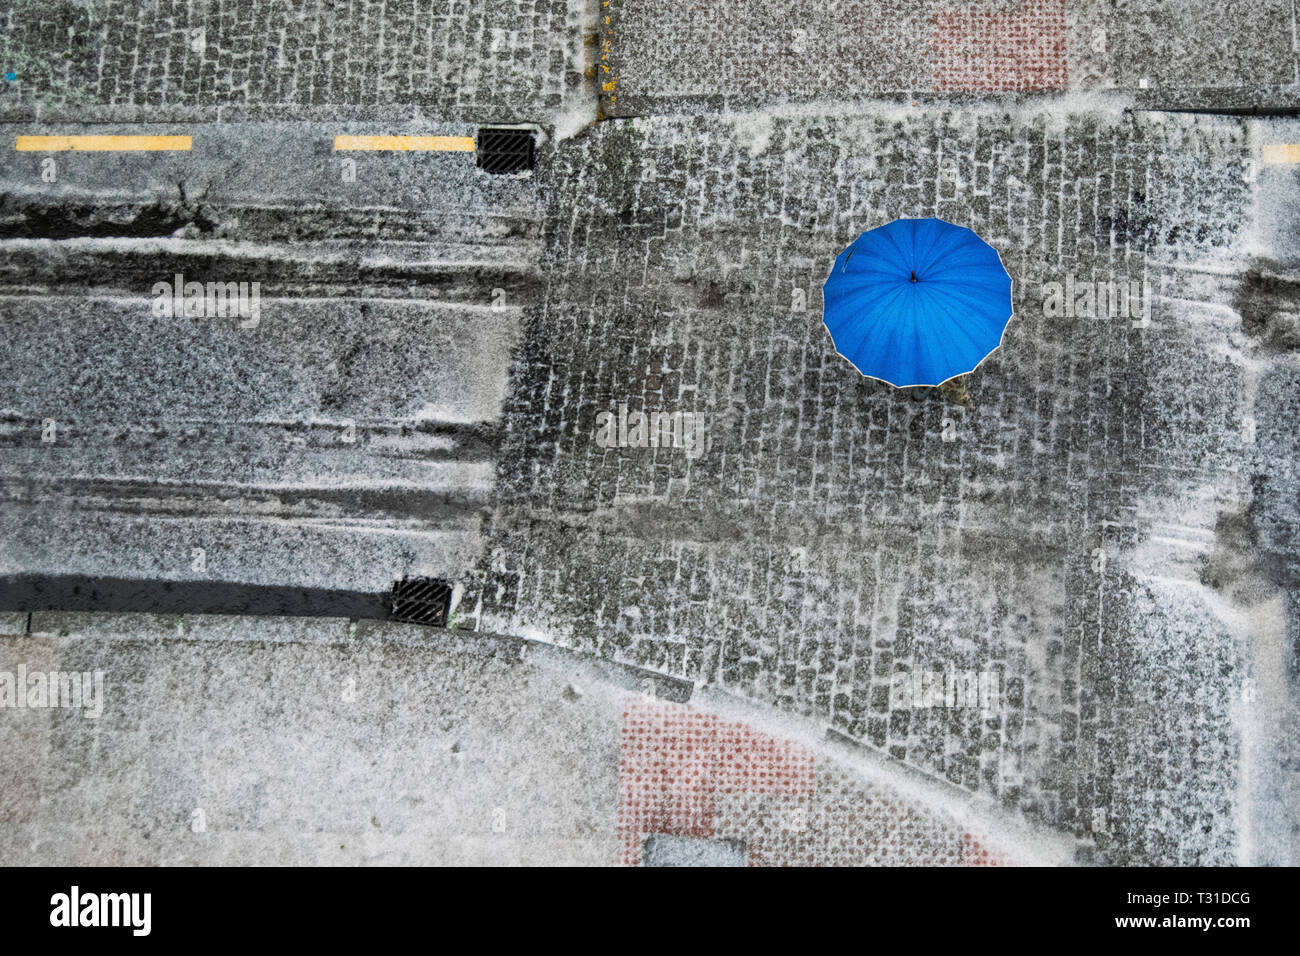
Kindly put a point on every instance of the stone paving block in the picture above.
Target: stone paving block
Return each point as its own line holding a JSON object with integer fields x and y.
{"x": 745, "y": 54}
{"x": 505, "y": 60}
{"x": 837, "y": 547}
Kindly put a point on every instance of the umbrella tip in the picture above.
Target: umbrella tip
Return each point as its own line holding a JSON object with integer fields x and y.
{"x": 913, "y": 275}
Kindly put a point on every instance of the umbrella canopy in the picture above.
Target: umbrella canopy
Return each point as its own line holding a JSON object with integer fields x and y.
{"x": 917, "y": 302}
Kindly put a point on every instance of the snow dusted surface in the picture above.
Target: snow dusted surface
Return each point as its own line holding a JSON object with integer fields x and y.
{"x": 1103, "y": 516}
{"x": 236, "y": 741}
{"x": 747, "y": 53}
{"x": 1078, "y": 533}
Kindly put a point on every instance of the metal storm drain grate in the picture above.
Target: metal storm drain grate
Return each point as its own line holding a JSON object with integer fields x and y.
{"x": 421, "y": 601}
{"x": 504, "y": 150}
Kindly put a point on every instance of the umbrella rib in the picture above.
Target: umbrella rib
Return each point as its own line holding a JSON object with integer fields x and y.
{"x": 866, "y": 333}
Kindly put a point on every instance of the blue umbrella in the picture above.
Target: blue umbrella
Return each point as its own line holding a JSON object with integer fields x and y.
{"x": 917, "y": 302}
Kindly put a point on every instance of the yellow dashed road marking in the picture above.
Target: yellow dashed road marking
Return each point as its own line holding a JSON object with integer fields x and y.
{"x": 1278, "y": 153}
{"x": 454, "y": 144}
{"x": 103, "y": 144}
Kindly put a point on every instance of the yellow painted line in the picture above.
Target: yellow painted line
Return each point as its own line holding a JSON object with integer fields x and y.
{"x": 103, "y": 144}
{"x": 1278, "y": 153}
{"x": 454, "y": 144}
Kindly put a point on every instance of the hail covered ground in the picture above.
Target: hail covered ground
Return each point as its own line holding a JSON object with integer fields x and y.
{"x": 523, "y": 301}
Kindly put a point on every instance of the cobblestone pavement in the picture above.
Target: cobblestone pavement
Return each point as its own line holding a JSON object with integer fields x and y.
{"x": 744, "y": 53}
{"x": 1088, "y": 544}
{"x": 539, "y": 60}
{"x": 836, "y": 534}
{"x": 500, "y": 60}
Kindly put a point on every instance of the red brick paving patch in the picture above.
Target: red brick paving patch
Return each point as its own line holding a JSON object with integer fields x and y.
{"x": 676, "y": 763}
{"x": 977, "y": 49}
{"x": 690, "y": 774}
{"x": 975, "y": 853}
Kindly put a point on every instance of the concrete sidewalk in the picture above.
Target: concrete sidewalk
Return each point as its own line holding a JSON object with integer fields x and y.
{"x": 262, "y": 741}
